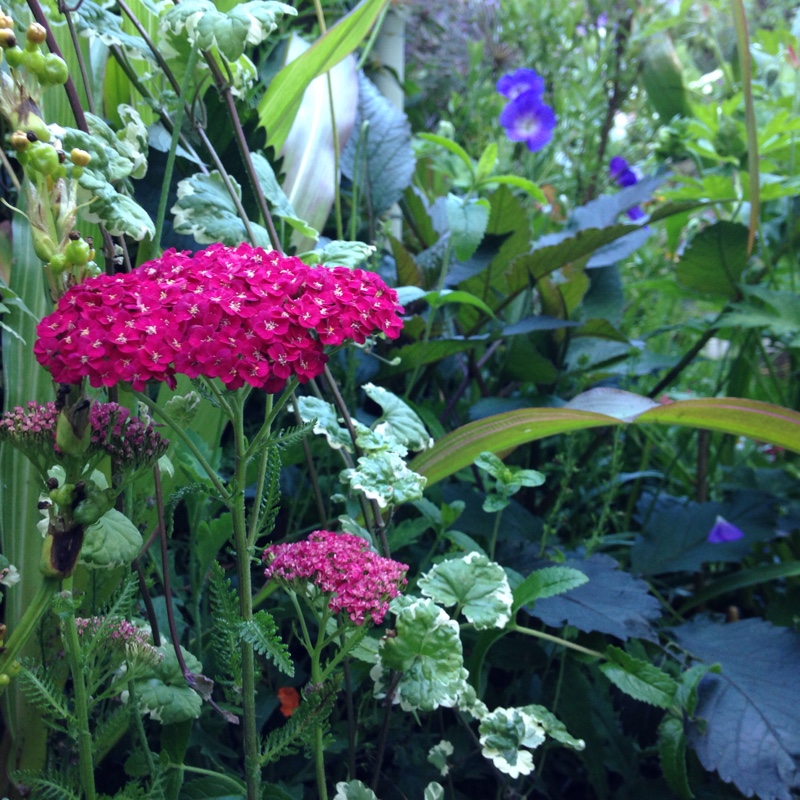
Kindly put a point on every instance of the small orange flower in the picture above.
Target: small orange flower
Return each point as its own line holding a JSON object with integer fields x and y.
{"x": 289, "y": 698}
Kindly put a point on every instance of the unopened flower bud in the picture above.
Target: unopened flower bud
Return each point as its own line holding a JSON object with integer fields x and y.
{"x": 80, "y": 158}
{"x": 6, "y": 21}
{"x": 19, "y": 140}
{"x": 36, "y": 33}
{"x": 7, "y": 38}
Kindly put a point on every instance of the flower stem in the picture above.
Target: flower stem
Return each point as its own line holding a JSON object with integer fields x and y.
{"x": 72, "y": 645}
{"x": 29, "y": 622}
{"x": 252, "y": 766}
{"x": 557, "y": 640}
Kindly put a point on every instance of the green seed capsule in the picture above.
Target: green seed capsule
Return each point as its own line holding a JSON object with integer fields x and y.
{"x": 54, "y": 72}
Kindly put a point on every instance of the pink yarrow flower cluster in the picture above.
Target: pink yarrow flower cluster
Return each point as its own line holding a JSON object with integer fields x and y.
{"x": 361, "y": 583}
{"x": 239, "y": 314}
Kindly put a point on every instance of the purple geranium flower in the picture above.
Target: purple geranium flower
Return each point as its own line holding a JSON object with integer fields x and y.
{"x": 724, "y": 531}
{"x": 527, "y": 119}
{"x": 621, "y": 173}
{"x": 521, "y": 81}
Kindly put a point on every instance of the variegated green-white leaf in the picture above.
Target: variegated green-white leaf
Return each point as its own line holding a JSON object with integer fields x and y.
{"x": 383, "y": 476}
{"x": 474, "y": 583}
{"x": 427, "y": 652}
{"x": 504, "y": 733}
{"x": 398, "y": 421}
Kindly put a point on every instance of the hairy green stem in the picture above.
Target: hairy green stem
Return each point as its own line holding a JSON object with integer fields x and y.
{"x": 252, "y": 766}
{"x": 186, "y": 85}
{"x": 72, "y": 645}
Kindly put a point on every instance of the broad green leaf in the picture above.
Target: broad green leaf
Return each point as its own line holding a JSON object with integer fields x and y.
{"x": 436, "y": 299}
{"x": 354, "y": 790}
{"x": 519, "y": 182}
{"x": 663, "y": 78}
{"x": 113, "y": 541}
{"x": 458, "y": 449}
{"x": 547, "y": 582}
{"x": 467, "y": 221}
{"x": 163, "y": 693}
{"x": 205, "y": 210}
{"x": 309, "y": 157}
{"x": 339, "y": 253}
{"x": 486, "y": 163}
{"x": 378, "y": 156}
{"x": 474, "y": 583}
{"x": 211, "y": 536}
{"x": 451, "y": 146}
{"x": 280, "y": 205}
{"x": 509, "y": 478}
{"x": 503, "y": 734}
{"x": 639, "y": 679}
{"x": 200, "y": 23}
{"x": 715, "y": 259}
{"x": 383, "y": 476}
{"x": 427, "y": 651}
{"x": 672, "y": 756}
{"x": 278, "y": 108}
{"x": 398, "y": 421}
{"x": 97, "y": 22}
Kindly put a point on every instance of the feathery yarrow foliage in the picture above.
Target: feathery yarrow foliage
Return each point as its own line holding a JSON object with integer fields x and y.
{"x": 239, "y": 314}
{"x": 361, "y": 583}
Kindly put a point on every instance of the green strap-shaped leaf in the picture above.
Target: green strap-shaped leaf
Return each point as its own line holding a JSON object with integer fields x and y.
{"x": 752, "y": 418}
{"x": 672, "y": 755}
{"x": 278, "y": 107}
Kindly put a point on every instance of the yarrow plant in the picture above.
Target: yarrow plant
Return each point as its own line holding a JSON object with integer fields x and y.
{"x": 360, "y": 582}
{"x": 240, "y": 314}
{"x": 526, "y": 118}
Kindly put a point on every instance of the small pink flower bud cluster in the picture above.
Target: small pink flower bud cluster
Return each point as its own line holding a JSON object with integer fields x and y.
{"x": 136, "y": 642}
{"x": 239, "y": 314}
{"x": 360, "y": 582}
{"x": 126, "y": 439}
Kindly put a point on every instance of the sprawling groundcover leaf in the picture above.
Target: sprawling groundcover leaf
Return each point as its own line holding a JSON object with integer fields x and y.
{"x": 675, "y": 535}
{"x": 612, "y": 602}
{"x": 751, "y": 710}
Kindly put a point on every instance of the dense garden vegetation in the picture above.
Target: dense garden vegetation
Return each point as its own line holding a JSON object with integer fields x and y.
{"x": 400, "y": 400}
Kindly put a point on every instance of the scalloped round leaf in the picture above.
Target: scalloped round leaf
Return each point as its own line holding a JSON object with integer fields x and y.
{"x": 503, "y": 734}
{"x": 475, "y": 583}
{"x": 113, "y": 541}
{"x": 384, "y": 477}
{"x": 326, "y": 422}
{"x": 427, "y": 651}
{"x": 164, "y": 695}
{"x": 398, "y": 421}
{"x": 353, "y": 790}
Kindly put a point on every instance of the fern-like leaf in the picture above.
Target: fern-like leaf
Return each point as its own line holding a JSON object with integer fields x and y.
{"x": 299, "y": 729}
{"x": 41, "y": 692}
{"x": 119, "y": 608}
{"x": 292, "y": 435}
{"x": 225, "y": 613}
{"x": 262, "y": 633}
{"x": 46, "y": 786}
{"x": 178, "y": 495}
{"x": 270, "y": 503}
{"x": 109, "y": 731}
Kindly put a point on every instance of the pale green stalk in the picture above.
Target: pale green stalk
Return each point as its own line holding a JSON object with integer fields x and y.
{"x": 556, "y": 639}
{"x": 72, "y": 645}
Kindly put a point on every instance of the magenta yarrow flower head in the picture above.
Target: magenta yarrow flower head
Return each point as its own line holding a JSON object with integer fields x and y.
{"x": 520, "y": 81}
{"x": 239, "y": 314}
{"x": 359, "y": 581}
{"x": 134, "y": 641}
{"x": 526, "y": 118}
{"x": 724, "y": 531}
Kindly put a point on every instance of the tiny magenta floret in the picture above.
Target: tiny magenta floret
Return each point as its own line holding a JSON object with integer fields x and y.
{"x": 361, "y": 583}
{"x": 240, "y": 314}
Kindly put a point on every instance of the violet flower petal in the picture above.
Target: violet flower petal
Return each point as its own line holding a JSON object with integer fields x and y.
{"x": 521, "y": 81}
{"x": 724, "y": 531}
{"x": 527, "y": 119}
